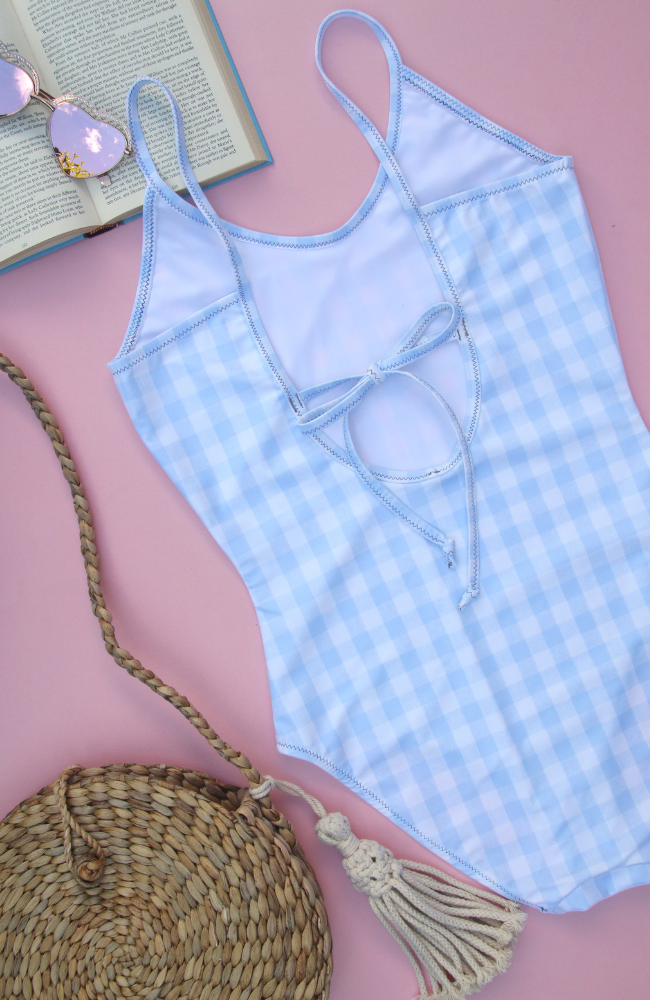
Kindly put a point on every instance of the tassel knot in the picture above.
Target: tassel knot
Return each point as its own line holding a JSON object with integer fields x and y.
{"x": 372, "y": 868}
{"x": 334, "y": 830}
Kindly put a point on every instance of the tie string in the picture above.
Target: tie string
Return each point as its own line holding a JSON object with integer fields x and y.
{"x": 413, "y": 346}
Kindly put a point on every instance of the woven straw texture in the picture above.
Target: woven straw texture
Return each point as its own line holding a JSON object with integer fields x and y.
{"x": 131, "y": 881}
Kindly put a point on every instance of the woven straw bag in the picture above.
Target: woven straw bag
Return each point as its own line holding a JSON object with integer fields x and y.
{"x": 153, "y": 882}
{"x": 141, "y": 882}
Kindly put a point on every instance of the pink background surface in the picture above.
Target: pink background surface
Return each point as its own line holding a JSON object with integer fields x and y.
{"x": 572, "y": 77}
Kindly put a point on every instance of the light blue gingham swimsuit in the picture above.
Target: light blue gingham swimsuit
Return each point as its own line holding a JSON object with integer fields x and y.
{"x": 496, "y": 708}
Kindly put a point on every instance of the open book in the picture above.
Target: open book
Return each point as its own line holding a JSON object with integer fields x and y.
{"x": 95, "y": 49}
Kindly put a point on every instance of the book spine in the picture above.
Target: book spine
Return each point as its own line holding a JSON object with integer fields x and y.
{"x": 237, "y": 77}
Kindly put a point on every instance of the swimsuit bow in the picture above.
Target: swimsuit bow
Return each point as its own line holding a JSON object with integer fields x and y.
{"x": 410, "y": 348}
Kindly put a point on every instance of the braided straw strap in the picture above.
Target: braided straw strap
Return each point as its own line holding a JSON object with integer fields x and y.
{"x": 121, "y": 656}
{"x": 86, "y": 871}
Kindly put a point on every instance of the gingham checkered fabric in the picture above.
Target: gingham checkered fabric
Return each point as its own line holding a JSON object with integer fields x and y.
{"x": 513, "y": 738}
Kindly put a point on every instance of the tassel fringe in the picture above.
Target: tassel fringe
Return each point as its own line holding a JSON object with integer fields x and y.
{"x": 461, "y": 937}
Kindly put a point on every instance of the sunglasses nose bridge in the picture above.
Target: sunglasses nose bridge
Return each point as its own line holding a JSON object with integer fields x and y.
{"x": 44, "y": 98}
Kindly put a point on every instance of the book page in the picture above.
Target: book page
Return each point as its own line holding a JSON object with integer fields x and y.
{"x": 96, "y": 48}
{"x": 38, "y": 203}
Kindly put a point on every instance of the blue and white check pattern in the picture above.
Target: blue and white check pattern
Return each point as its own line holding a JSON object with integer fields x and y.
{"x": 514, "y": 737}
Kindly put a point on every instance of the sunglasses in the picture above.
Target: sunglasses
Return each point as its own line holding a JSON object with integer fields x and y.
{"x": 86, "y": 143}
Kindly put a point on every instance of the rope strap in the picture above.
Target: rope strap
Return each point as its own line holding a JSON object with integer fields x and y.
{"x": 87, "y": 871}
{"x": 121, "y": 656}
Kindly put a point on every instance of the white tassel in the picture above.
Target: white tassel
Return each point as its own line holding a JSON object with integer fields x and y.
{"x": 459, "y": 935}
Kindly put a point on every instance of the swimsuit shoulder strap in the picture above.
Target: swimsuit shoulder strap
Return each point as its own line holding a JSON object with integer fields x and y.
{"x": 152, "y": 176}
{"x": 395, "y": 69}
{"x": 143, "y": 155}
{"x": 387, "y": 148}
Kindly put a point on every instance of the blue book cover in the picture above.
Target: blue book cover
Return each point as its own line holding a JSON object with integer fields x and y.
{"x": 181, "y": 44}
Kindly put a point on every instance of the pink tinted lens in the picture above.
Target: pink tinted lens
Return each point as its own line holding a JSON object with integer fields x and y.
{"x": 16, "y": 88}
{"x": 84, "y": 146}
